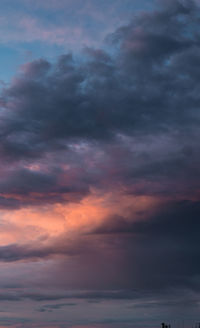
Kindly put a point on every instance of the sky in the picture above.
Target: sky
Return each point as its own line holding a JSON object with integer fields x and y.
{"x": 99, "y": 163}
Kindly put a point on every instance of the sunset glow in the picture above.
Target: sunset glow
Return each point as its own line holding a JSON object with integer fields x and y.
{"x": 99, "y": 163}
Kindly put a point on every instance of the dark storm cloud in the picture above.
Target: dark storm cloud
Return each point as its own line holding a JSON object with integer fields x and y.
{"x": 22, "y": 187}
{"x": 172, "y": 219}
{"x": 27, "y": 181}
{"x": 161, "y": 251}
{"x": 146, "y": 87}
{"x": 50, "y": 103}
{"x": 9, "y": 203}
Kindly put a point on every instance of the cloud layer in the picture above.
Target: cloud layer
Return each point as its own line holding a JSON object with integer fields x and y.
{"x": 99, "y": 179}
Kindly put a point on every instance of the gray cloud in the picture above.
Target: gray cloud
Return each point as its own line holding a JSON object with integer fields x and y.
{"x": 145, "y": 90}
{"x": 100, "y": 98}
{"x": 52, "y": 307}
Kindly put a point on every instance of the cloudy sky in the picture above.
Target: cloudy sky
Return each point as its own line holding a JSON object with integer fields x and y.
{"x": 100, "y": 163}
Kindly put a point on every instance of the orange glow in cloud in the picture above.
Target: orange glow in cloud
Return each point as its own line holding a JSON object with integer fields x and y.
{"x": 40, "y": 223}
